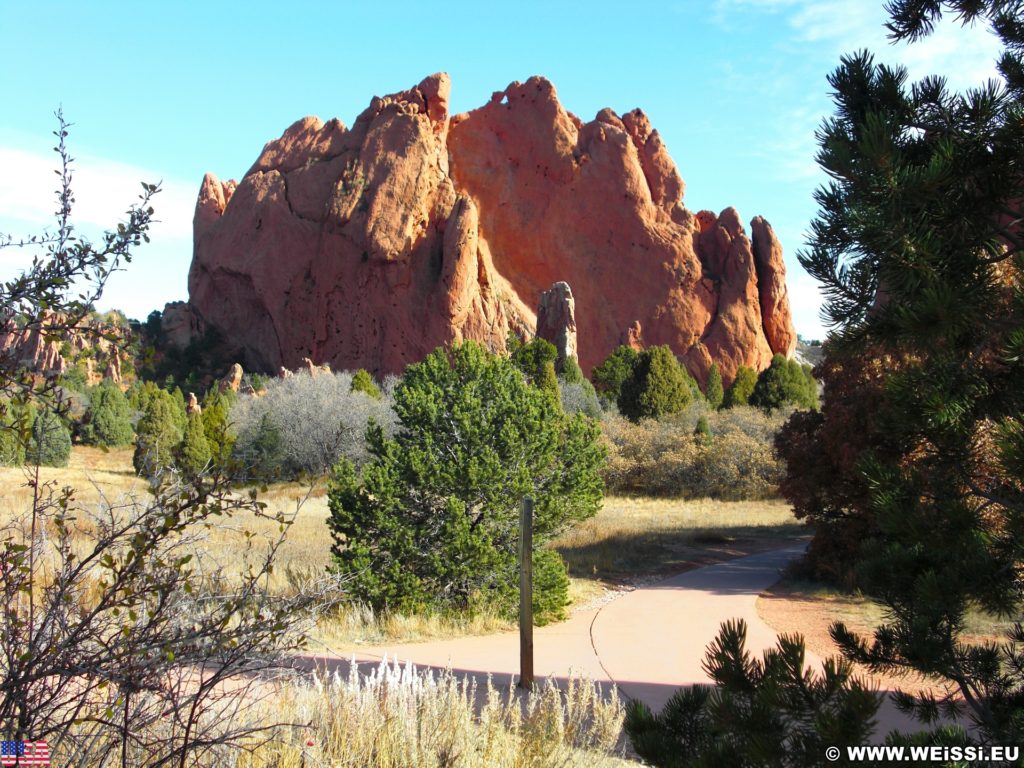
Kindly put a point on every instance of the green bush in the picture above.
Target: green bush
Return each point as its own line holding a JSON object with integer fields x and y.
{"x": 50, "y": 442}
{"x": 658, "y": 386}
{"x": 73, "y": 379}
{"x": 158, "y": 434}
{"x": 194, "y": 453}
{"x": 785, "y": 382}
{"x": 536, "y": 359}
{"x": 108, "y": 419}
{"x": 216, "y": 408}
{"x": 550, "y": 587}
{"x": 265, "y": 454}
{"x": 742, "y": 387}
{"x": 713, "y": 390}
{"x": 703, "y": 430}
{"x": 363, "y": 382}
{"x": 609, "y": 376}
{"x": 432, "y": 518}
{"x": 179, "y": 412}
{"x": 571, "y": 373}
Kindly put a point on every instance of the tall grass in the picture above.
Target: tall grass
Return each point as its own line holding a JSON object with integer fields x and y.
{"x": 398, "y": 717}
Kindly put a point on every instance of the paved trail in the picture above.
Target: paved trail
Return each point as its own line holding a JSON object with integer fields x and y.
{"x": 649, "y": 641}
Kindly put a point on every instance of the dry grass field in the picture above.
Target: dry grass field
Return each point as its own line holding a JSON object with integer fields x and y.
{"x": 630, "y": 539}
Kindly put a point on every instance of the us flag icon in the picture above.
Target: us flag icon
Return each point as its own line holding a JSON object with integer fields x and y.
{"x": 24, "y": 753}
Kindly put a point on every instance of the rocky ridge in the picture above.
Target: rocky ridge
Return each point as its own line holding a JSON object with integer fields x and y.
{"x": 52, "y": 348}
{"x": 369, "y": 246}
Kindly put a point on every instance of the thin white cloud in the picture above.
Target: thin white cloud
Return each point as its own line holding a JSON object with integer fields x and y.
{"x": 828, "y": 28}
{"x": 103, "y": 189}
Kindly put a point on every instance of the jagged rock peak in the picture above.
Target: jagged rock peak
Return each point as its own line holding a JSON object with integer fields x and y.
{"x": 368, "y": 247}
{"x": 556, "y": 322}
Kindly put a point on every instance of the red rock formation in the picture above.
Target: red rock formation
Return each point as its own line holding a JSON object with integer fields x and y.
{"x": 370, "y": 246}
{"x": 633, "y": 337}
{"x": 179, "y": 322}
{"x": 771, "y": 282}
{"x": 51, "y": 347}
{"x": 556, "y": 322}
{"x": 232, "y": 379}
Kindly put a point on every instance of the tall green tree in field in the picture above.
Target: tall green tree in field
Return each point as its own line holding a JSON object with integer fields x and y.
{"x": 713, "y": 390}
{"x": 158, "y": 435}
{"x": 742, "y": 387}
{"x": 785, "y": 382}
{"x": 50, "y": 443}
{"x": 920, "y": 251}
{"x": 194, "y": 453}
{"x": 433, "y": 518}
{"x": 215, "y": 415}
{"x": 657, "y": 386}
{"x": 108, "y": 421}
{"x": 536, "y": 359}
{"x": 609, "y": 376}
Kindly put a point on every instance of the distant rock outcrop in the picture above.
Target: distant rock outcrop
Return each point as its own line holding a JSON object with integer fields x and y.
{"x": 51, "y": 348}
{"x": 556, "y": 322}
{"x": 232, "y": 379}
{"x": 368, "y": 247}
{"x": 180, "y": 324}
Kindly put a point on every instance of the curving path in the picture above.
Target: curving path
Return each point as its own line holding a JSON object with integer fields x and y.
{"x": 653, "y": 640}
{"x": 648, "y": 641}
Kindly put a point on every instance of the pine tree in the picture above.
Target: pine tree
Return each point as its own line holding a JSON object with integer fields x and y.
{"x": 713, "y": 390}
{"x": 194, "y": 453}
{"x": 761, "y": 712}
{"x": 571, "y": 373}
{"x": 536, "y": 359}
{"x": 50, "y": 442}
{"x": 179, "y": 411}
{"x": 702, "y": 432}
{"x": 158, "y": 435}
{"x": 785, "y": 382}
{"x": 108, "y": 420}
{"x": 742, "y": 387}
{"x": 658, "y": 386}
{"x": 433, "y": 518}
{"x": 919, "y": 248}
{"x": 609, "y": 376}
{"x": 216, "y": 410}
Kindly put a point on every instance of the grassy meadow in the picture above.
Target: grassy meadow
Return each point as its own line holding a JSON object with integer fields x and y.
{"x": 629, "y": 540}
{"x": 401, "y": 720}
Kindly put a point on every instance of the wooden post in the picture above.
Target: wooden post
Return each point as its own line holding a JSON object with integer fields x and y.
{"x": 526, "y": 595}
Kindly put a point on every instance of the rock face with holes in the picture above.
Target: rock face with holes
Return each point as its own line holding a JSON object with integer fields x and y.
{"x": 369, "y": 246}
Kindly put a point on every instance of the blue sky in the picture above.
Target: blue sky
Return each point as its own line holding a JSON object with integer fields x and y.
{"x": 167, "y": 92}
